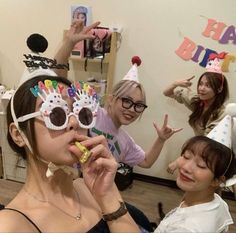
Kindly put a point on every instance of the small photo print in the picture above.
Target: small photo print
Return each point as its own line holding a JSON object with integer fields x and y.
{"x": 83, "y": 13}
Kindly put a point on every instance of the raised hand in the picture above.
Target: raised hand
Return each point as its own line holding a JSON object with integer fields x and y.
{"x": 172, "y": 167}
{"x": 79, "y": 32}
{"x": 184, "y": 83}
{"x": 165, "y": 131}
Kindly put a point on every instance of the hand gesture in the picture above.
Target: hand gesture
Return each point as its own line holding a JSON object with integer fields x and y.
{"x": 172, "y": 167}
{"x": 79, "y": 32}
{"x": 165, "y": 131}
{"x": 100, "y": 169}
{"x": 184, "y": 83}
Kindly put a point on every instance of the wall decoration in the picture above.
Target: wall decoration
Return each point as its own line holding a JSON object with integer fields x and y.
{"x": 82, "y": 13}
{"x": 218, "y": 31}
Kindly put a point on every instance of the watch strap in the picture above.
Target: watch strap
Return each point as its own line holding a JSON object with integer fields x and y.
{"x": 115, "y": 215}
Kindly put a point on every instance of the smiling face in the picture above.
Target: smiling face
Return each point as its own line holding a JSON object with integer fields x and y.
{"x": 124, "y": 116}
{"x": 119, "y": 111}
{"x": 194, "y": 174}
{"x": 204, "y": 89}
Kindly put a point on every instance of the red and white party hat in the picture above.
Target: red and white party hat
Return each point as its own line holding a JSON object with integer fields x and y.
{"x": 132, "y": 74}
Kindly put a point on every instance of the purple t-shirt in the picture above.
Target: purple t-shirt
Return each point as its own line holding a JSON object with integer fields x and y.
{"x": 121, "y": 145}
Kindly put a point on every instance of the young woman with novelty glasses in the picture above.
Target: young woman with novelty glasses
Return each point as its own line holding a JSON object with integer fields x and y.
{"x": 207, "y": 105}
{"x": 46, "y": 122}
{"x": 201, "y": 171}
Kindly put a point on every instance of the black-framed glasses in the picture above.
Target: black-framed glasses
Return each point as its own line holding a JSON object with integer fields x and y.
{"x": 128, "y": 103}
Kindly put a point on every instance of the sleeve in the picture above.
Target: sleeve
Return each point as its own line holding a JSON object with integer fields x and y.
{"x": 185, "y": 96}
{"x": 133, "y": 154}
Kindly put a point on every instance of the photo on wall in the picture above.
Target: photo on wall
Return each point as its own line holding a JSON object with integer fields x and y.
{"x": 100, "y": 45}
{"x": 82, "y": 13}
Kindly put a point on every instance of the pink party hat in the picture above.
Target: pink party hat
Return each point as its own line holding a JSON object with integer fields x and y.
{"x": 222, "y": 133}
{"x": 213, "y": 64}
{"x": 132, "y": 74}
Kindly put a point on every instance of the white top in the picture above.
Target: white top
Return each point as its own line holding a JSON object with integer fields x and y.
{"x": 208, "y": 217}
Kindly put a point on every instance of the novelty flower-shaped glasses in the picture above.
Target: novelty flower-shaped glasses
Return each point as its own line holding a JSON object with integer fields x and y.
{"x": 55, "y": 111}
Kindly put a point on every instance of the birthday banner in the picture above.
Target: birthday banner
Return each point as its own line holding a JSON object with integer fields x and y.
{"x": 218, "y": 31}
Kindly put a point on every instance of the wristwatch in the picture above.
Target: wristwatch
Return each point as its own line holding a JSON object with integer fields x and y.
{"x": 115, "y": 215}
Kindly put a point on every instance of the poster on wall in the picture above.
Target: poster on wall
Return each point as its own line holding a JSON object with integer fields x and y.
{"x": 83, "y": 13}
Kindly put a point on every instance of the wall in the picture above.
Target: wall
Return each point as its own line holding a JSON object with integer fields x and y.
{"x": 152, "y": 29}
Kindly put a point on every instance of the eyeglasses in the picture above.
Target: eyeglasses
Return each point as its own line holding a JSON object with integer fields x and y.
{"x": 56, "y": 116}
{"x": 128, "y": 103}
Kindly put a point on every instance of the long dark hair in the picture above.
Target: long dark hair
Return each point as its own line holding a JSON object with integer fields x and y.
{"x": 24, "y": 103}
{"x": 219, "y": 85}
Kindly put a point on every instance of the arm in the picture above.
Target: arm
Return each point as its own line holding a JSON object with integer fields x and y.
{"x": 163, "y": 134}
{"x": 169, "y": 91}
{"x": 98, "y": 174}
{"x": 75, "y": 34}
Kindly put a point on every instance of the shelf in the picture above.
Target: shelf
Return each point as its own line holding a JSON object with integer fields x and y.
{"x": 105, "y": 60}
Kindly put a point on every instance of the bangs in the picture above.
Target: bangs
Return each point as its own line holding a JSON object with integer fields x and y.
{"x": 216, "y": 155}
{"x": 202, "y": 149}
{"x": 125, "y": 87}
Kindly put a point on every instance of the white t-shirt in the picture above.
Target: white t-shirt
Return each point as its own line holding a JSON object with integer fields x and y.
{"x": 208, "y": 217}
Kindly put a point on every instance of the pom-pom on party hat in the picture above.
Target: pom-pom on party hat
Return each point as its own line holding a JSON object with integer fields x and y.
{"x": 213, "y": 64}
{"x": 222, "y": 132}
{"x": 132, "y": 74}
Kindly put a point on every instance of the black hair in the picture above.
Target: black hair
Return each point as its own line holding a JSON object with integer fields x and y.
{"x": 24, "y": 103}
{"x": 219, "y": 85}
{"x": 219, "y": 158}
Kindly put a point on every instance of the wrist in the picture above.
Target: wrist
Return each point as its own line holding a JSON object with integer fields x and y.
{"x": 119, "y": 212}
{"x": 161, "y": 140}
{"x": 69, "y": 44}
{"x": 175, "y": 84}
{"x": 110, "y": 201}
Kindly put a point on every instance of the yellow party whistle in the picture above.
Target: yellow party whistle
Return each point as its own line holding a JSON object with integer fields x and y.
{"x": 86, "y": 154}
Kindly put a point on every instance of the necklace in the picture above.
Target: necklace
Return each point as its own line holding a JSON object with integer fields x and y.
{"x": 77, "y": 216}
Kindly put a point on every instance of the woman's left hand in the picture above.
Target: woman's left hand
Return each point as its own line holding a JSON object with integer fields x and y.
{"x": 165, "y": 131}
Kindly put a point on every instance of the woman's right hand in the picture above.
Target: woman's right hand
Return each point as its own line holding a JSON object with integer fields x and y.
{"x": 100, "y": 169}
{"x": 79, "y": 32}
{"x": 184, "y": 83}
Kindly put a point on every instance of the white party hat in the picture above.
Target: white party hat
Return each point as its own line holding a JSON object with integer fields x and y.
{"x": 222, "y": 133}
{"x": 132, "y": 74}
{"x": 39, "y": 71}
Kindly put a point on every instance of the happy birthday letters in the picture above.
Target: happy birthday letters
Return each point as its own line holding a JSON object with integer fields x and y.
{"x": 218, "y": 31}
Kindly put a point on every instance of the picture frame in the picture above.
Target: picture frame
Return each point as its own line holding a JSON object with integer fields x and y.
{"x": 83, "y": 13}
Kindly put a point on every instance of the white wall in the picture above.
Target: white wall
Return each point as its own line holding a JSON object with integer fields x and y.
{"x": 153, "y": 29}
